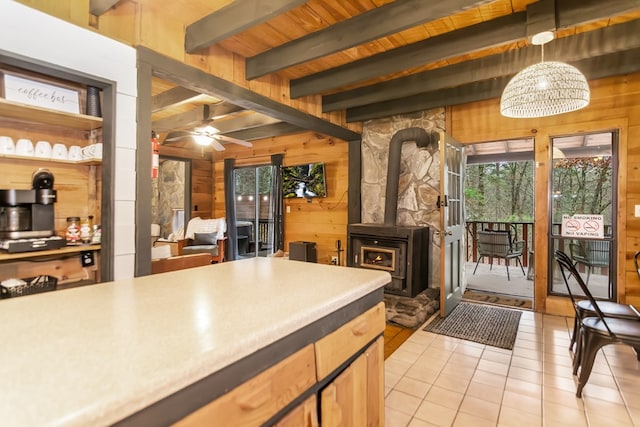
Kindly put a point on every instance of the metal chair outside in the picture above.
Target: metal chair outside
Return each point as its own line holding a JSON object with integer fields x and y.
{"x": 498, "y": 244}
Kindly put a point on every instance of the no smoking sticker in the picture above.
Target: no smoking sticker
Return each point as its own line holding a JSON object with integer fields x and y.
{"x": 583, "y": 226}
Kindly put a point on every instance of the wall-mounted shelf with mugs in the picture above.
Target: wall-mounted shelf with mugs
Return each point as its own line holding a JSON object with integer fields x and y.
{"x": 25, "y": 149}
{"x": 89, "y": 162}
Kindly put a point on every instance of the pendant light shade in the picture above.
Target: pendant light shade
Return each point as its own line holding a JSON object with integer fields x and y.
{"x": 545, "y": 89}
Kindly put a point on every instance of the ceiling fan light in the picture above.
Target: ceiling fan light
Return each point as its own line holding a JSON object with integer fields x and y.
{"x": 545, "y": 89}
{"x": 202, "y": 140}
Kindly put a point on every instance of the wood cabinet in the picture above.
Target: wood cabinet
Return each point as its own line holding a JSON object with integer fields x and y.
{"x": 338, "y": 381}
{"x": 78, "y": 182}
{"x": 356, "y": 396}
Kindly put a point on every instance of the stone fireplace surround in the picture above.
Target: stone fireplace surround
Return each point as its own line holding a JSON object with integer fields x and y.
{"x": 419, "y": 181}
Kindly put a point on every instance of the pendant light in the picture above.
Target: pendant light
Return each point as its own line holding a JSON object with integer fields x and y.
{"x": 544, "y": 89}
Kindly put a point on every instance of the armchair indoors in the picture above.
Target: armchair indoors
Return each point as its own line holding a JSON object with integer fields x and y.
{"x": 205, "y": 236}
{"x": 498, "y": 244}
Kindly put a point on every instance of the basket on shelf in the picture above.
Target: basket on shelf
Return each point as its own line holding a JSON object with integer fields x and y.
{"x": 32, "y": 285}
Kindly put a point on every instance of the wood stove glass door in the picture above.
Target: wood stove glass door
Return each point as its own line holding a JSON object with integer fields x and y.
{"x": 452, "y": 163}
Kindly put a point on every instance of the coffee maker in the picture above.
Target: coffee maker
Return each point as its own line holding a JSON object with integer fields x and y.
{"x": 27, "y": 216}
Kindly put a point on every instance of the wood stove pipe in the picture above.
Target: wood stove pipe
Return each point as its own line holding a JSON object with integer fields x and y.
{"x": 422, "y": 139}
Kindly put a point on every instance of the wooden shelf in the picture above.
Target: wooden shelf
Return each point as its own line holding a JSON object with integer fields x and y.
{"x": 50, "y": 160}
{"x": 16, "y": 110}
{"x": 4, "y": 256}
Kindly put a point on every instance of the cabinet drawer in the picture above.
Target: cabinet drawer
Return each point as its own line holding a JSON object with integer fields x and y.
{"x": 338, "y": 346}
{"x": 258, "y": 399}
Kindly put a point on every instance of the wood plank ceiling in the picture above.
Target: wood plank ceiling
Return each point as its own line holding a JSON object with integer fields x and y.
{"x": 375, "y": 58}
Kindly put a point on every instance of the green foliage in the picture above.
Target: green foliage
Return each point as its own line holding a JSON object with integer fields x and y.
{"x": 245, "y": 180}
{"x": 501, "y": 191}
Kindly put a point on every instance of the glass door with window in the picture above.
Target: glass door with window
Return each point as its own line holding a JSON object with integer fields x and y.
{"x": 583, "y": 211}
{"x": 254, "y": 210}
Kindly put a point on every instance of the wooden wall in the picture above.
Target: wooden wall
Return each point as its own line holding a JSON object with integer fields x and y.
{"x": 161, "y": 26}
{"x": 324, "y": 220}
{"x": 615, "y": 105}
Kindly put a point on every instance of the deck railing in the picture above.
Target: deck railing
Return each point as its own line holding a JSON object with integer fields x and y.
{"x": 519, "y": 231}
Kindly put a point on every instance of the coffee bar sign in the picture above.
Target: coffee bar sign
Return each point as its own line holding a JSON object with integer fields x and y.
{"x": 39, "y": 94}
{"x": 583, "y": 226}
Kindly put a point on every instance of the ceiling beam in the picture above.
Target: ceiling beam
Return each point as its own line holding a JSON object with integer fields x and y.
{"x": 371, "y": 25}
{"x": 199, "y": 80}
{"x": 194, "y": 117}
{"x": 506, "y": 29}
{"x": 233, "y": 19}
{"x": 539, "y": 16}
{"x": 171, "y": 97}
{"x": 574, "y": 48}
{"x": 246, "y": 121}
{"x": 266, "y": 131}
{"x": 612, "y": 64}
{"x": 98, "y": 7}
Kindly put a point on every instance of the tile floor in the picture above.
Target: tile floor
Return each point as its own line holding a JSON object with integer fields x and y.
{"x": 435, "y": 380}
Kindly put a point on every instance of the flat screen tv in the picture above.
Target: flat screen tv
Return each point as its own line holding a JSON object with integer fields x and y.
{"x": 306, "y": 181}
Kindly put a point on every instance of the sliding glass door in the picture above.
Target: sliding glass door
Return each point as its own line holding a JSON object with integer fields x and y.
{"x": 583, "y": 211}
{"x": 254, "y": 204}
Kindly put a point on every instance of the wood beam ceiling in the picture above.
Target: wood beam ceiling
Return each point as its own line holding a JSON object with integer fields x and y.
{"x": 171, "y": 97}
{"x": 540, "y": 16}
{"x": 488, "y": 34}
{"x": 606, "y": 40}
{"x": 194, "y": 117}
{"x": 266, "y": 131}
{"x": 608, "y": 65}
{"x": 233, "y": 19}
{"x": 374, "y": 24}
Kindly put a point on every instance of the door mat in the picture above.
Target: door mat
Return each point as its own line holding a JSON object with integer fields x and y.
{"x": 485, "y": 324}
{"x": 498, "y": 299}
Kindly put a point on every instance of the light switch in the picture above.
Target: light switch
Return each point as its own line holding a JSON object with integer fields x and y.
{"x": 289, "y": 209}
{"x": 637, "y": 211}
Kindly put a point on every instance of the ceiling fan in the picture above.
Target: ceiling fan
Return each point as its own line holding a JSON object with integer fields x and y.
{"x": 207, "y": 136}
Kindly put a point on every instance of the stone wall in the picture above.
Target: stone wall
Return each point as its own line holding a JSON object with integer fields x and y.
{"x": 167, "y": 194}
{"x": 419, "y": 177}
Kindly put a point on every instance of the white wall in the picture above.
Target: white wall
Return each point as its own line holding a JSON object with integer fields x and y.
{"x": 32, "y": 34}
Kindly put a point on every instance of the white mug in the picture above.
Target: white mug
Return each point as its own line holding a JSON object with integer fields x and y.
{"x": 93, "y": 151}
{"x": 24, "y": 147}
{"x": 59, "y": 151}
{"x": 43, "y": 149}
{"x": 75, "y": 152}
{"x": 7, "y": 145}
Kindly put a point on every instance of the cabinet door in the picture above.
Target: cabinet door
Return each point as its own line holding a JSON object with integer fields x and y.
{"x": 356, "y": 396}
{"x": 303, "y": 415}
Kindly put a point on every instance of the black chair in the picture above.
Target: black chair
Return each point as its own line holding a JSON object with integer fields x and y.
{"x": 584, "y": 308}
{"x": 597, "y": 330}
{"x": 636, "y": 261}
{"x": 498, "y": 244}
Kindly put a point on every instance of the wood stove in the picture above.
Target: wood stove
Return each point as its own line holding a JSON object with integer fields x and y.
{"x": 403, "y": 251}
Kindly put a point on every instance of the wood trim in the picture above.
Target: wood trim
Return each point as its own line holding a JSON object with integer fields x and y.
{"x": 143, "y": 172}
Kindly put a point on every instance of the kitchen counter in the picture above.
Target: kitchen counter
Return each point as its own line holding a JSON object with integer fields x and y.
{"x": 98, "y": 354}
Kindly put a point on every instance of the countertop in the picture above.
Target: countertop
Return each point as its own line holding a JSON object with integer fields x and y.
{"x": 93, "y": 355}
